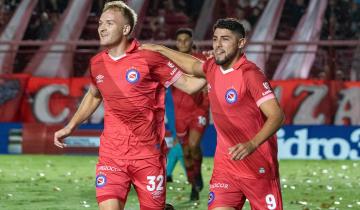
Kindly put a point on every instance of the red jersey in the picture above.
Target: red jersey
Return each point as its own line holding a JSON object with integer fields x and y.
{"x": 133, "y": 92}
{"x": 185, "y": 104}
{"x": 235, "y": 96}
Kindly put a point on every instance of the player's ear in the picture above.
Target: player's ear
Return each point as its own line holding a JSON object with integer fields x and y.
{"x": 241, "y": 43}
{"x": 126, "y": 30}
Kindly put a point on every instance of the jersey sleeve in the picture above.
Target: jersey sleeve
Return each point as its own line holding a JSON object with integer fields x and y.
{"x": 258, "y": 86}
{"x": 162, "y": 69}
{"x": 207, "y": 65}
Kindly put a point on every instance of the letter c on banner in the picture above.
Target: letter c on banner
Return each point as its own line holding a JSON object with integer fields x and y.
{"x": 41, "y": 104}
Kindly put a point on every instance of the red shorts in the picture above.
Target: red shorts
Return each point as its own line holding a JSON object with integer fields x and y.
{"x": 230, "y": 191}
{"x": 114, "y": 177}
{"x": 196, "y": 122}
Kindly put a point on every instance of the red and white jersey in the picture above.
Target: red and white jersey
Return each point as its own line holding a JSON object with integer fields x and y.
{"x": 235, "y": 96}
{"x": 133, "y": 91}
{"x": 185, "y": 105}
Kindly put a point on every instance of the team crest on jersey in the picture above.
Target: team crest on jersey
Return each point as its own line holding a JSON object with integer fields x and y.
{"x": 132, "y": 75}
{"x": 231, "y": 96}
{"x": 100, "y": 180}
{"x": 211, "y": 197}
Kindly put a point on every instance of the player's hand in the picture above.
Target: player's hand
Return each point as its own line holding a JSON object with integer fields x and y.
{"x": 208, "y": 54}
{"x": 60, "y": 135}
{"x": 151, "y": 47}
{"x": 240, "y": 151}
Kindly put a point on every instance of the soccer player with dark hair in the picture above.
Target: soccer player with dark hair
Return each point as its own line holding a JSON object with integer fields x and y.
{"x": 246, "y": 116}
{"x": 131, "y": 84}
{"x": 191, "y": 118}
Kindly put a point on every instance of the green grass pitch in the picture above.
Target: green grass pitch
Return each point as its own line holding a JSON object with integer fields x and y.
{"x": 67, "y": 183}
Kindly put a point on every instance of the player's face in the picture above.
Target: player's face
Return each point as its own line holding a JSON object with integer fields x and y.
{"x": 184, "y": 43}
{"x": 112, "y": 27}
{"x": 226, "y": 45}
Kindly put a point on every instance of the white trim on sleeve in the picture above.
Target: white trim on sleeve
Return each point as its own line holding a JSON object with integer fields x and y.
{"x": 173, "y": 79}
{"x": 265, "y": 98}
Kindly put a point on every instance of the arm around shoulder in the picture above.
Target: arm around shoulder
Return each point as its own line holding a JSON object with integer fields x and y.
{"x": 188, "y": 63}
{"x": 190, "y": 84}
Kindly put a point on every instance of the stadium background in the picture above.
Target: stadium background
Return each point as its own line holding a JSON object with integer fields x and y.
{"x": 309, "y": 49}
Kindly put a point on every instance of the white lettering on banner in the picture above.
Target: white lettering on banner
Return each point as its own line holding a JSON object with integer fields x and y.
{"x": 350, "y": 97}
{"x": 305, "y": 113}
{"x": 41, "y": 104}
{"x": 309, "y": 148}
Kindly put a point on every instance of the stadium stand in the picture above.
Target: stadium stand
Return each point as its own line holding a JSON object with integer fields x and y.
{"x": 160, "y": 19}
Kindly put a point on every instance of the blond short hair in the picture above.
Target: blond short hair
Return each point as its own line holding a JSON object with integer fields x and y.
{"x": 128, "y": 12}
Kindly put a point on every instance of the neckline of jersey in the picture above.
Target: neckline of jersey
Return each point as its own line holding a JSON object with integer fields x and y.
{"x": 236, "y": 66}
{"x": 133, "y": 46}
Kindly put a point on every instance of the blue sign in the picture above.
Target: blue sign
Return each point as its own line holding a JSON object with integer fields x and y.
{"x": 306, "y": 142}
{"x": 319, "y": 142}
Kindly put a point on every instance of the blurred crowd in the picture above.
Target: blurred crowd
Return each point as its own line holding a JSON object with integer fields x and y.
{"x": 7, "y": 7}
{"x": 163, "y": 17}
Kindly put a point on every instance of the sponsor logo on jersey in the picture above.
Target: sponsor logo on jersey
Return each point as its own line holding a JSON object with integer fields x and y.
{"x": 211, "y": 197}
{"x": 173, "y": 71}
{"x": 262, "y": 170}
{"x": 267, "y": 88}
{"x": 100, "y": 180}
{"x": 108, "y": 168}
{"x": 157, "y": 194}
{"x": 219, "y": 185}
{"x": 99, "y": 78}
{"x": 132, "y": 76}
{"x": 170, "y": 64}
{"x": 266, "y": 85}
{"x": 231, "y": 96}
{"x": 266, "y": 92}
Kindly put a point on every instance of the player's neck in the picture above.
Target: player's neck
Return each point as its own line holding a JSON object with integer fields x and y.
{"x": 119, "y": 49}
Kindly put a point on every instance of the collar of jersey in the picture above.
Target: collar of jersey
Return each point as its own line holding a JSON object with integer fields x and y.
{"x": 236, "y": 66}
{"x": 133, "y": 46}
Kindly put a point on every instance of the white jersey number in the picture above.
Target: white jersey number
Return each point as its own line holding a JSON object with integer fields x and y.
{"x": 270, "y": 201}
{"x": 152, "y": 184}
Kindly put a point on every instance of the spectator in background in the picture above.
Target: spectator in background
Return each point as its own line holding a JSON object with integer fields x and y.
{"x": 158, "y": 27}
{"x": 298, "y": 9}
{"x": 337, "y": 20}
{"x": 339, "y": 75}
{"x": 3, "y": 12}
{"x": 45, "y": 26}
{"x": 355, "y": 19}
{"x": 245, "y": 5}
{"x": 240, "y": 15}
{"x": 322, "y": 75}
{"x": 254, "y": 16}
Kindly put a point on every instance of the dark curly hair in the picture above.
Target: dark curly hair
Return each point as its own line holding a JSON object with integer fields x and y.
{"x": 231, "y": 24}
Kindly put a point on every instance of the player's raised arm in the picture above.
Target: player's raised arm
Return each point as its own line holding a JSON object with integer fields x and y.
{"x": 188, "y": 63}
{"x": 190, "y": 84}
{"x": 89, "y": 104}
